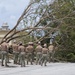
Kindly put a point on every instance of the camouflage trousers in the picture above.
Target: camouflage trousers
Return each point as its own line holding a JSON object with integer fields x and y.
{"x": 51, "y": 56}
{"x": 29, "y": 58}
{"x": 8, "y": 57}
{"x": 4, "y": 56}
{"x": 44, "y": 59}
{"x": 16, "y": 54}
{"x": 38, "y": 57}
{"x": 22, "y": 59}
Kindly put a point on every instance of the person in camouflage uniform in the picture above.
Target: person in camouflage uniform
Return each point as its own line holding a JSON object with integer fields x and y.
{"x": 15, "y": 52}
{"x": 4, "y": 52}
{"x": 29, "y": 51}
{"x": 44, "y": 55}
{"x": 22, "y": 52}
{"x": 51, "y": 52}
{"x": 38, "y": 51}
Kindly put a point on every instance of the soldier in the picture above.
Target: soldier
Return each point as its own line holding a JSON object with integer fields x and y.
{"x": 10, "y": 51}
{"x": 29, "y": 50}
{"x": 51, "y": 52}
{"x": 44, "y": 55}
{"x": 38, "y": 51}
{"x": 22, "y": 52}
{"x": 4, "y": 52}
{"x": 15, "y": 51}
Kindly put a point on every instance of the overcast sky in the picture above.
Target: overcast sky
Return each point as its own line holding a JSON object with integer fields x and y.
{"x": 10, "y": 11}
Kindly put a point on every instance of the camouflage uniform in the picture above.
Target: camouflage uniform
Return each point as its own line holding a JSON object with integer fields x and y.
{"x": 44, "y": 55}
{"x": 51, "y": 52}
{"x": 38, "y": 50}
{"x": 29, "y": 51}
{"x": 15, "y": 52}
{"x": 21, "y": 50}
{"x": 4, "y": 53}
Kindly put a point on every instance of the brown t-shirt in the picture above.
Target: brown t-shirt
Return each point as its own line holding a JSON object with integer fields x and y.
{"x": 15, "y": 47}
{"x": 4, "y": 46}
{"x": 51, "y": 48}
{"x": 44, "y": 50}
{"x": 21, "y": 49}
{"x": 29, "y": 49}
{"x": 38, "y": 48}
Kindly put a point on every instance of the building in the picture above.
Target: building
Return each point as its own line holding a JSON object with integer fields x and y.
{"x": 4, "y": 30}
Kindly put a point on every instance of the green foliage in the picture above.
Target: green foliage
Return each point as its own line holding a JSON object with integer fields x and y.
{"x": 71, "y": 57}
{"x": 61, "y": 15}
{"x": 63, "y": 11}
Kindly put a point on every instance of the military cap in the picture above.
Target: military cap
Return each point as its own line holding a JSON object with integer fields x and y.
{"x": 30, "y": 43}
{"x": 20, "y": 42}
{"x": 39, "y": 42}
{"x": 45, "y": 45}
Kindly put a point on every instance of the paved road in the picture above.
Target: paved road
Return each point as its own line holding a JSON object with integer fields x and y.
{"x": 50, "y": 69}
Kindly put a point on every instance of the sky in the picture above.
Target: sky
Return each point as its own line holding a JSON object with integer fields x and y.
{"x": 11, "y": 10}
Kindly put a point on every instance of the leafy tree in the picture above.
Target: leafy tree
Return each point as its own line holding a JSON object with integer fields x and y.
{"x": 63, "y": 11}
{"x": 43, "y": 18}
